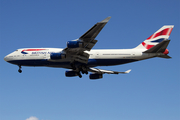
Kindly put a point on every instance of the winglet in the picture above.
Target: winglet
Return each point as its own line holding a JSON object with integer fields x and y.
{"x": 106, "y": 20}
{"x": 128, "y": 71}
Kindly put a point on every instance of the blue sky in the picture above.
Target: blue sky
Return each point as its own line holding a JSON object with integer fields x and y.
{"x": 150, "y": 91}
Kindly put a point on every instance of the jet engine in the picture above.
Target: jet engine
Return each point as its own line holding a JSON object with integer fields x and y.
{"x": 56, "y": 56}
{"x": 71, "y": 74}
{"x": 74, "y": 44}
{"x": 95, "y": 76}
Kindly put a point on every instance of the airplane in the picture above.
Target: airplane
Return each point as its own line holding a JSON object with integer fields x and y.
{"x": 80, "y": 59}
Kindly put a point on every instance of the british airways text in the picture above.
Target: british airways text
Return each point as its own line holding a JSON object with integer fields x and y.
{"x": 42, "y": 52}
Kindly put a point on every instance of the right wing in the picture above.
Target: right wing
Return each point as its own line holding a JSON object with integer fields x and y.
{"x": 100, "y": 71}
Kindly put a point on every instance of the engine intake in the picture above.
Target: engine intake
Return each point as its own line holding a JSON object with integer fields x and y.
{"x": 95, "y": 76}
{"x": 74, "y": 44}
{"x": 71, "y": 74}
{"x": 56, "y": 56}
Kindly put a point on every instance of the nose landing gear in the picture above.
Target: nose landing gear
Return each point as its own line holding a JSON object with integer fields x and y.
{"x": 20, "y": 71}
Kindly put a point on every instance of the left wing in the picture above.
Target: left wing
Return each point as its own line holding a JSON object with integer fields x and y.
{"x": 100, "y": 71}
{"x": 94, "y": 31}
{"x": 75, "y": 49}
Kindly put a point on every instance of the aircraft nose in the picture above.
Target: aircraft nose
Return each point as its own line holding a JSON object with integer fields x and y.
{"x": 9, "y": 57}
{"x": 6, "y": 58}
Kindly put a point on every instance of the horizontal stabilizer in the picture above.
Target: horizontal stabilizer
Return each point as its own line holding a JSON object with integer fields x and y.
{"x": 159, "y": 48}
{"x": 164, "y": 56}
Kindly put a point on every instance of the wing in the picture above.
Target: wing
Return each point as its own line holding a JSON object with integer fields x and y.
{"x": 100, "y": 71}
{"x": 75, "y": 49}
{"x": 94, "y": 31}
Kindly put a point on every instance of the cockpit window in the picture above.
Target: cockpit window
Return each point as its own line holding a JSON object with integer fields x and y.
{"x": 16, "y": 50}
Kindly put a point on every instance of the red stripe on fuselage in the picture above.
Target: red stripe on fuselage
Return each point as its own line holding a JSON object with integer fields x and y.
{"x": 33, "y": 49}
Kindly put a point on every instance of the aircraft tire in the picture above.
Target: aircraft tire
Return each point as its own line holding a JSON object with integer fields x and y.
{"x": 20, "y": 71}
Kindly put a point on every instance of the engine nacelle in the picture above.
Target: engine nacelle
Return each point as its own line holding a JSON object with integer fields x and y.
{"x": 56, "y": 56}
{"x": 71, "y": 73}
{"x": 74, "y": 44}
{"x": 95, "y": 76}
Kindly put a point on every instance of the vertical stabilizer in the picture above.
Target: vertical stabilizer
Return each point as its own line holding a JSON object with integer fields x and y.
{"x": 162, "y": 34}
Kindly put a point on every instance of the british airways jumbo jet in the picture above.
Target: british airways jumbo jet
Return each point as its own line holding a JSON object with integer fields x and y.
{"x": 79, "y": 58}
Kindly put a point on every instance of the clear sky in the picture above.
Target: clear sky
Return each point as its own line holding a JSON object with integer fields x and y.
{"x": 151, "y": 91}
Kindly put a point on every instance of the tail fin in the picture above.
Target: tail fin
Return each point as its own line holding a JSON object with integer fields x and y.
{"x": 162, "y": 34}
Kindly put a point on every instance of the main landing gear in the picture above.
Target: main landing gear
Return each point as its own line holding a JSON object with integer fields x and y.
{"x": 79, "y": 74}
{"x": 20, "y": 71}
{"x": 80, "y": 69}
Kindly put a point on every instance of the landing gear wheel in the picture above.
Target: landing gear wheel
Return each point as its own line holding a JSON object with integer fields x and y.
{"x": 79, "y": 74}
{"x": 20, "y": 71}
{"x": 86, "y": 72}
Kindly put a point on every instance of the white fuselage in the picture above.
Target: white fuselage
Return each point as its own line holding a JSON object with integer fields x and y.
{"x": 98, "y": 57}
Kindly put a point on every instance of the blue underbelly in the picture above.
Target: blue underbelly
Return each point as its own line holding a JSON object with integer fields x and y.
{"x": 91, "y": 62}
